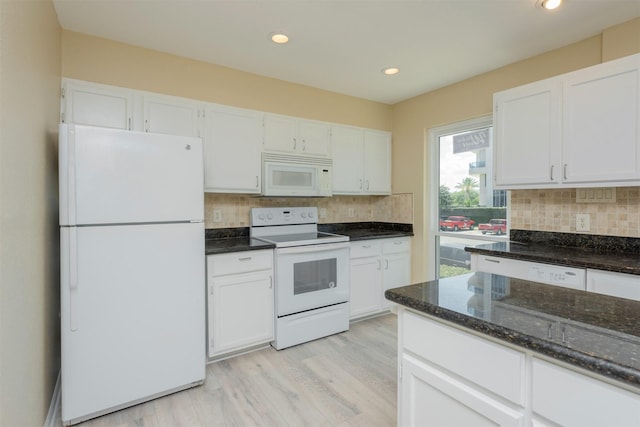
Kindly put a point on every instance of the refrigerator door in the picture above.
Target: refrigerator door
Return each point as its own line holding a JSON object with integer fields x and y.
{"x": 111, "y": 176}
{"x": 132, "y": 314}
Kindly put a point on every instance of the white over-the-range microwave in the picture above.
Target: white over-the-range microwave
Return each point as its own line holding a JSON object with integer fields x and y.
{"x": 286, "y": 175}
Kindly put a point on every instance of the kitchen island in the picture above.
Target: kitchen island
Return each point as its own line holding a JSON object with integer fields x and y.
{"x": 492, "y": 349}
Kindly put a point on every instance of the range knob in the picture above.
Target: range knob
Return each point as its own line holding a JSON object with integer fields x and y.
{"x": 310, "y": 214}
{"x": 269, "y": 216}
{"x": 304, "y": 215}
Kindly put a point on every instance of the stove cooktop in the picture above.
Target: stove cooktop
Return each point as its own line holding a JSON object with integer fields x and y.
{"x": 303, "y": 239}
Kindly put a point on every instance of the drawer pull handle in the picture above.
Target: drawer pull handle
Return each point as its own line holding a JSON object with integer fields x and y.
{"x": 497, "y": 261}
{"x": 569, "y": 273}
{"x": 366, "y": 246}
{"x": 397, "y": 243}
{"x": 549, "y": 331}
{"x": 247, "y": 258}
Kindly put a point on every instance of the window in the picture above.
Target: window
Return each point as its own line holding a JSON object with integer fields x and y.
{"x": 466, "y": 210}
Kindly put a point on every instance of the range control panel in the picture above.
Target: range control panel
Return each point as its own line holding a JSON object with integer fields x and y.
{"x": 261, "y": 217}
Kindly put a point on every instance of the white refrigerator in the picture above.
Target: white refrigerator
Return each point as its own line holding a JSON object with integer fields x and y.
{"x": 132, "y": 268}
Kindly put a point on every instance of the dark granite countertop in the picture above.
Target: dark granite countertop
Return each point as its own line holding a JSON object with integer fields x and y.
{"x": 224, "y": 240}
{"x": 234, "y": 244}
{"x": 616, "y": 254}
{"x": 368, "y": 230}
{"x": 595, "y": 332}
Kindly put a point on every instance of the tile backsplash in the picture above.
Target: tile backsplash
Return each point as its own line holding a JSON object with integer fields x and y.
{"x": 234, "y": 209}
{"x": 556, "y": 209}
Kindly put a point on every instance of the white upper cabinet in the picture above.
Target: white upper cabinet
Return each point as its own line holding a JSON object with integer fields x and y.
{"x": 347, "y": 145}
{"x": 295, "y": 136}
{"x": 171, "y": 115}
{"x": 527, "y": 131}
{"x": 235, "y": 138}
{"x": 361, "y": 161}
{"x": 600, "y": 123}
{"x": 580, "y": 129}
{"x": 96, "y": 105}
{"x": 377, "y": 162}
{"x": 232, "y": 147}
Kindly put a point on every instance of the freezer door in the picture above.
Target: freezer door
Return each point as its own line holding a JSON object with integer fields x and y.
{"x": 132, "y": 314}
{"x": 111, "y": 176}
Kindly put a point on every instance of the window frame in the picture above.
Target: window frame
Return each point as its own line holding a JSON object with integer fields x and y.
{"x": 433, "y": 188}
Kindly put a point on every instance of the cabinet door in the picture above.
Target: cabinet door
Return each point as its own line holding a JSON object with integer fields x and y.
{"x": 600, "y": 122}
{"x": 97, "y": 105}
{"x": 614, "y": 284}
{"x": 366, "y": 286}
{"x": 377, "y": 162}
{"x": 240, "y": 311}
{"x": 280, "y": 134}
{"x": 170, "y": 115}
{"x": 232, "y": 147}
{"x": 348, "y": 160}
{"x": 527, "y": 135}
{"x": 314, "y": 138}
{"x": 430, "y": 397}
{"x": 396, "y": 272}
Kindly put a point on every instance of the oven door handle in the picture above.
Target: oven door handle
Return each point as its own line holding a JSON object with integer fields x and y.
{"x": 312, "y": 248}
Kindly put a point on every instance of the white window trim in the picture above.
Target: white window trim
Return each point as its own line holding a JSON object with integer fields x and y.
{"x": 432, "y": 223}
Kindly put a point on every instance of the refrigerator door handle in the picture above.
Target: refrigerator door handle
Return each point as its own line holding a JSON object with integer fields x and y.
{"x": 73, "y": 279}
{"x": 71, "y": 179}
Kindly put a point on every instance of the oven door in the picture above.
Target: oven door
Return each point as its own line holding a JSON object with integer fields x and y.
{"x": 312, "y": 276}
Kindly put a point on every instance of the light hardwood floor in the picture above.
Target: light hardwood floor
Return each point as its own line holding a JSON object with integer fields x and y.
{"x": 348, "y": 379}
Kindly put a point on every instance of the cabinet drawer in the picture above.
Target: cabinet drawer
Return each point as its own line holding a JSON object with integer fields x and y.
{"x": 396, "y": 245}
{"x": 491, "y": 366}
{"x": 239, "y": 262}
{"x": 572, "y": 399}
{"x": 365, "y": 248}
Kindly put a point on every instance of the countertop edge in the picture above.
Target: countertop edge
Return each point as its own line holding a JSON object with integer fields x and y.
{"x": 579, "y": 359}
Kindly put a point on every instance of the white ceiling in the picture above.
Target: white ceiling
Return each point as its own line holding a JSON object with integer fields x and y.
{"x": 342, "y": 45}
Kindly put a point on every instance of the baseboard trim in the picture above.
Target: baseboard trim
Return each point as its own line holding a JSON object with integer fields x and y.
{"x": 53, "y": 416}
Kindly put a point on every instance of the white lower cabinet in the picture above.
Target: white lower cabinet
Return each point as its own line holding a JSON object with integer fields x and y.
{"x": 377, "y": 265}
{"x": 239, "y": 300}
{"x": 451, "y": 377}
{"x": 615, "y": 284}
{"x": 569, "y": 398}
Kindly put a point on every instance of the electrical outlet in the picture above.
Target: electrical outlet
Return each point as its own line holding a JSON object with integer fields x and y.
{"x": 583, "y": 222}
{"x": 352, "y": 212}
{"x": 217, "y": 215}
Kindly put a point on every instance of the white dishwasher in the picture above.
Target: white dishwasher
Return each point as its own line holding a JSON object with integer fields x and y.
{"x": 568, "y": 277}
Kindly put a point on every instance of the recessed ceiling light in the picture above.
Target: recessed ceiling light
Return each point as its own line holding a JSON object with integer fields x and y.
{"x": 551, "y": 4}
{"x": 279, "y": 38}
{"x": 391, "y": 71}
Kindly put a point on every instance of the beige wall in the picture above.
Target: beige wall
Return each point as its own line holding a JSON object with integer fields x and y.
{"x": 103, "y": 61}
{"x": 472, "y": 98}
{"x": 29, "y": 285}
